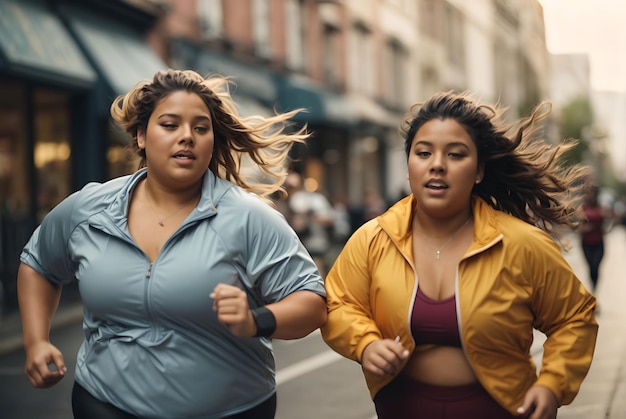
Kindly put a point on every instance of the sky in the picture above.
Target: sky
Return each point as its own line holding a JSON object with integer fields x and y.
{"x": 593, "y": 27}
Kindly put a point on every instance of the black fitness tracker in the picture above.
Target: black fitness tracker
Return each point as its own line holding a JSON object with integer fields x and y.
{"x": 265, "y": 321}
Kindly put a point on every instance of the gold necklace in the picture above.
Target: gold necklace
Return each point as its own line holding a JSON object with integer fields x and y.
{"x": 160, "y": 220}
{"x": 438, "y": 250}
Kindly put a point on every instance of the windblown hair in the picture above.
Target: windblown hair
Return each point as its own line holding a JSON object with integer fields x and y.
{"x": 524, "y": 175}
{"x": 265, "y": 141}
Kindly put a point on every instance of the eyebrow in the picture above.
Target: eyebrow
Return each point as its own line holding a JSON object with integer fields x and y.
{"x": 453, "y": 144}
{"x": 173, "y": 115}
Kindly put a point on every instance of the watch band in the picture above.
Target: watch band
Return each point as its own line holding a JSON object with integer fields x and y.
{"x": 264, "y": 320}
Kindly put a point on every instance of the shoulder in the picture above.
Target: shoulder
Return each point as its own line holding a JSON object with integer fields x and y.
{"x": 248, "y": 209}
{"x": 526, "y": 240}
{"x": 493, "y": 222}
{"x": 95, "y": 197}
{"x": 90, "y": 199}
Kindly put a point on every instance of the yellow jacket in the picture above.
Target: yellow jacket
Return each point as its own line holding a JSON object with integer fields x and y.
{"x": 512, "y": 278}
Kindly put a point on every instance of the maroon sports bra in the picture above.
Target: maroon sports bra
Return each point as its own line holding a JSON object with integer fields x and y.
{"x": 435, "y": 322}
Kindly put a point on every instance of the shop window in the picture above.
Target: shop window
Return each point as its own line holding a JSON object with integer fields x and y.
{"x": 15, "y": 185}
{"x": 121, "y": 158}
{"x": 52, "y": 149}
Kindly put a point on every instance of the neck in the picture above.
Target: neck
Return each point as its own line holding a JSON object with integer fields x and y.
{"x": 443, "y": 240}
{"x": 161, "y": 196}
{"x": 439, "y": 229}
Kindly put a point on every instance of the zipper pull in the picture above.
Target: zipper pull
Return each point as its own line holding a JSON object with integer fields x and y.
{"x": 149, "y": 273}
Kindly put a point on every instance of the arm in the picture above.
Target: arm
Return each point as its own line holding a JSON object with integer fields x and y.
{"x": 38, "y": 300}
{"x": 565, "y": 313}
{"x": 350, "y": 327}
{"x": 297, "y": 315}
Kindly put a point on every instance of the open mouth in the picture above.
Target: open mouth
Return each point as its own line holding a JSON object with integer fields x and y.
{"x": 185, "y": 155}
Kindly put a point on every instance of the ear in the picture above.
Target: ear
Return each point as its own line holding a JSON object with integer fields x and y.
{"x": 141, "y": 138}
{"x": 480, "y": 173}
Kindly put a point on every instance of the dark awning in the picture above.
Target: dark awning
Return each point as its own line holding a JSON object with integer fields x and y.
{"x": 34, "y": 43}
{"x": 249, "y": 80}
{"x": 118, "y": 51}
{"x": 323, "y": 106}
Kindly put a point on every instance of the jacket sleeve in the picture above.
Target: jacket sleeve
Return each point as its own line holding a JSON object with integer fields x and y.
{"x": 350, "y": 326}
{"x": 276, "y": 262}
{"x": 47, "y": 250}
{"x": 564, "y": 311}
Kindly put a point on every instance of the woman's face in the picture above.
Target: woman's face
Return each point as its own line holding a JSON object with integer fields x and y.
{"x": 178, "y": 139}
{"x": 443, "y": 167}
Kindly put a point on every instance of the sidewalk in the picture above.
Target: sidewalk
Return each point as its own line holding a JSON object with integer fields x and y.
{"x": 603, "y": 393}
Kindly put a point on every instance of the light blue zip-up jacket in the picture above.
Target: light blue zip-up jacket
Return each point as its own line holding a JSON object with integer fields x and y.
{"x": 153, "y": 345}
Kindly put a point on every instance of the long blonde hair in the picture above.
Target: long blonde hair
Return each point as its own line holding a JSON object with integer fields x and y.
{"x": 264, "y": 141}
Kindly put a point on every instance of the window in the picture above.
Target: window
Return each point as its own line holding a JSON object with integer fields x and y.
{"x": 52, "y": 149}
{"x": 295, "y": 35}
{"x": 330, "y": 54}
{"x": 210, "y": 13}
{"x": 261, "y": 27}
{"x": 16, "y": 223}
{"x": 455, "y": 38}
{"x": 362, "y": 61}
{"x": 395, "y": 63}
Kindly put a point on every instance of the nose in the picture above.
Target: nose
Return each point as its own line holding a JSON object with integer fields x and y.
{"x": 438, "y": 163}
{"x": 186, "y": 134}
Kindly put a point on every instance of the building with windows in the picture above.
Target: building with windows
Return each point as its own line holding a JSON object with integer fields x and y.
{"x": 355, "y": 66}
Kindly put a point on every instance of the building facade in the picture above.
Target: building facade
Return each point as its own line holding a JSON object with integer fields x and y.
{"x": 355, "y": 66}
{"x": 61, "y": 65}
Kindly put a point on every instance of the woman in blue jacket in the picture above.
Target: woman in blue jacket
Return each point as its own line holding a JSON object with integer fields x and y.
{"x": 184, "y": 269}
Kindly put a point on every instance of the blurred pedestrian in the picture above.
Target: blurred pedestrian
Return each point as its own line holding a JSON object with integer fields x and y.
{"x": 597, "y": 221}
{"x": 371, "y": 205}
{"x": 438, "y": 297}
{"x": 185, "y": 273}
{"x": 311, "y": 215}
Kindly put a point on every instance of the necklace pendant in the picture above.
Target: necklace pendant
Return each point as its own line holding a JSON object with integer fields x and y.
{"x": 438, "y": 254}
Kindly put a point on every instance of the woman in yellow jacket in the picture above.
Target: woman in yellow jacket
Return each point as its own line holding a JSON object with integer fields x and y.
{"x": 438, "y": 297}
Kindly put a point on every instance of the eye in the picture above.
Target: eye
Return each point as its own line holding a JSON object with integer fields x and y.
{"x": 456, "y": 155}
{"x": 423, "y": 154}
{"x": 168, "y": 125}
{"x": 202, "y": 130}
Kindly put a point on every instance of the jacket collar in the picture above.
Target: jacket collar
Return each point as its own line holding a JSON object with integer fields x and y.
{"x": 397, "y": 222}
{"x": 213, "y": 189}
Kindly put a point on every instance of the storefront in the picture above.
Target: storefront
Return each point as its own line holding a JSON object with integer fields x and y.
{"x": 44, "y": 80}
{"x": 332, "y": 122}
{"x": 113, "y": 42}
{"x": 55, "y": 132}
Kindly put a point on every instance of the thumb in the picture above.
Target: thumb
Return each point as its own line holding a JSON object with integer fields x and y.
{"x": 526, "y": 409}
{"x": 59, "y": 363}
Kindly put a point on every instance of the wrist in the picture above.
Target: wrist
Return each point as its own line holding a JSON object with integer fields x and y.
{"x": 264, "y": 320}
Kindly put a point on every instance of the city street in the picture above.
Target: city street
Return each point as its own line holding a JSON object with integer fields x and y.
{"x": 314, "y": 382}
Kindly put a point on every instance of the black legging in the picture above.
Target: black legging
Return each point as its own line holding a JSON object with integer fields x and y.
{"x": 85, "y": 406}
{"x": 594, "y": 254}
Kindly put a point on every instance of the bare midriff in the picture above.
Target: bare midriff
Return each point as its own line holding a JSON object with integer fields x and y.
{"x": 440, "y": 366}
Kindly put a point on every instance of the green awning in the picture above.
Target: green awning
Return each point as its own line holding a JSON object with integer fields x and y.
{"x": 323, "y": 106}
{"x": 34, "y": 43}
{"x": 117, "y": 51}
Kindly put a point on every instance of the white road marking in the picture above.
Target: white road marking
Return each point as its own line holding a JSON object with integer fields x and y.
{"x": 304, "y": 367}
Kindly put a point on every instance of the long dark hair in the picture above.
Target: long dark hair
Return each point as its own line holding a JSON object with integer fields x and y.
{"x": 524, "y": 175}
